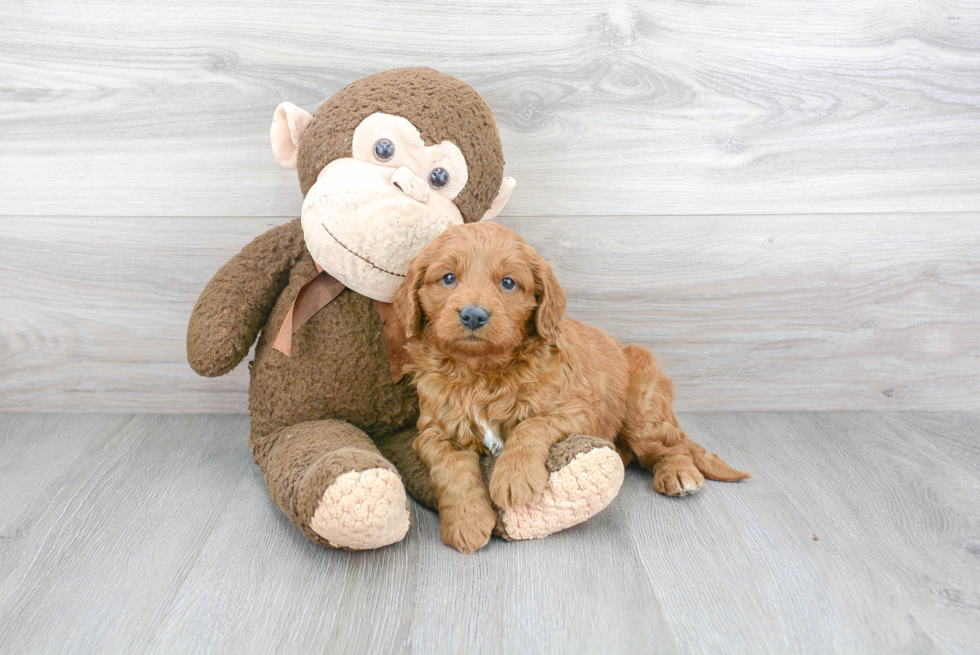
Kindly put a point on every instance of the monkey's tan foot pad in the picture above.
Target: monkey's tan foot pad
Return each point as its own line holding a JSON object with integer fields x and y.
{"x": 586, "y": 473}
{"x": 361, "y": 510}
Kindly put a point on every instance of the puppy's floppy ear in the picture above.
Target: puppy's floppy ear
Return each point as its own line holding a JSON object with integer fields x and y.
{"x": 407, "y": 296}
{"x": 551, "y": 300}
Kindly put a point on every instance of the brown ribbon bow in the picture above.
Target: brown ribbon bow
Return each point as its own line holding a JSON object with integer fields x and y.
{"x": 317, "y": 294}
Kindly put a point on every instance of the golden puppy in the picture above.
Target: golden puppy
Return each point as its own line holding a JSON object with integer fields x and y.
{"x": 495, "y": 361}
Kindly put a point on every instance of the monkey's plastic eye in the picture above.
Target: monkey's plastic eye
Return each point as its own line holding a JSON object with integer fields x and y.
{"x": 508, "y": 284}
{"x": 449, "y": 279}
{"x": 384, "y": 150}
{"x": 438, "y": 177}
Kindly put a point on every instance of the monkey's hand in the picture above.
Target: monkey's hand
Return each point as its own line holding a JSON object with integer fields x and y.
{"x": 237, "y": 301}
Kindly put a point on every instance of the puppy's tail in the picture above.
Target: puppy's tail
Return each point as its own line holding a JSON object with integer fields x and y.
{"x": 714, "y": 467}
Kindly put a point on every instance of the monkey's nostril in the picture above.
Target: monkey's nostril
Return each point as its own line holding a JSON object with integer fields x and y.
{"x": 473, "y": 317}
{"x": 410, "y": 184}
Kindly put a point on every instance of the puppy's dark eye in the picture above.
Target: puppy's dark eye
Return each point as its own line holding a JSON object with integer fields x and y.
{"x": 438, "y": 178}
{"x": 384, "y": 150}
{"x": 449, "y": 279}
{"x": 508, "y": 284}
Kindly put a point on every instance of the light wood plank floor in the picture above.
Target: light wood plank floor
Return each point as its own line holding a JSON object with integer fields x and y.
{"x": 149, "y": 533}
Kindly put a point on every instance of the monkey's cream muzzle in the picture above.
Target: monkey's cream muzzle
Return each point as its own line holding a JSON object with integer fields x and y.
{"x": 364, "y": 229}
{"x": 369, "y": 214}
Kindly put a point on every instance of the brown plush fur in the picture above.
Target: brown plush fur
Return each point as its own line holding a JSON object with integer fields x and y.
{"x": 532, "y": 375}
{"x": 236, "y": 302}
{"x": 452, "y": 111}
{"x": 333, "y": 398}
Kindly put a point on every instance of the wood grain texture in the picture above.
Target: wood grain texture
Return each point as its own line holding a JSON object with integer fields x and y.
{"x": 134, "y": 108}
{"x": 116, "y": 533}
{"x": 155, "y": 534}
{"x": 892, "y": 499}
{"x": 764, "y": 313}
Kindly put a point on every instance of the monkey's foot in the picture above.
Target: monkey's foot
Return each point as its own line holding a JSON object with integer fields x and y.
{"x": 361, "y": 510}
{"x": 585, "y": 474}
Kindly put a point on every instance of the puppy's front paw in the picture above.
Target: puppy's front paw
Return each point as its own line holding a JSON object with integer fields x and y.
{"x": 467, "y": 527}
{"x": 514, "y": 483}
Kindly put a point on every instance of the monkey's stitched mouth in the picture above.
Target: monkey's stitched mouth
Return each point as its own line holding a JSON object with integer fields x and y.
{"x": 361, "y": 257}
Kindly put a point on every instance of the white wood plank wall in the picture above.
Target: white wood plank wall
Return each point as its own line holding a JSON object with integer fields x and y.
{"x": 781, "y": 198}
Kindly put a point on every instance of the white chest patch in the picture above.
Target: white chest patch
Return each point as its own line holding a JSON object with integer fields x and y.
{"x": 493, "y": 443}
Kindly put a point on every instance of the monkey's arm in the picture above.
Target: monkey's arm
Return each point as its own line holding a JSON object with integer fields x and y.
{"x": 237, "y": 301}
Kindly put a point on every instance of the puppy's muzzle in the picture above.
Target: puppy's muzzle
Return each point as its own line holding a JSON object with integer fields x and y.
{"x": 473, "y": 317}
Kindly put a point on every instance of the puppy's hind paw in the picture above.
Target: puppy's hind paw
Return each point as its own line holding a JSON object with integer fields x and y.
{"x": 677, "y": 476}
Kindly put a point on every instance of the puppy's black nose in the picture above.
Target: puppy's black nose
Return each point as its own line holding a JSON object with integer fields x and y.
{"x": 473, "y": 317}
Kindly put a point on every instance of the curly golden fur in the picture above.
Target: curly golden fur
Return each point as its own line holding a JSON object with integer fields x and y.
{"x": 527, "y": 376}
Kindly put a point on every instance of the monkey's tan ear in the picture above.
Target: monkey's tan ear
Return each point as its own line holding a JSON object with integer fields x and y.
{"x": 288, "y": 125}
{"x": 506, "y": 186}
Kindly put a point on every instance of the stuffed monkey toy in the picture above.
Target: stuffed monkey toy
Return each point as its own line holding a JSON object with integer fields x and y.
{"x": 385, "y": 165}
